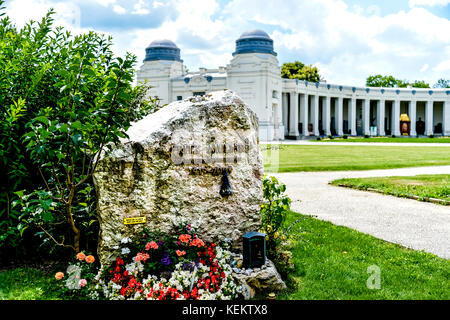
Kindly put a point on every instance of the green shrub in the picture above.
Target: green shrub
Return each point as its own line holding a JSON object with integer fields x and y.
{"x": 274, "y": 210}
{"x": 63, "y": 100}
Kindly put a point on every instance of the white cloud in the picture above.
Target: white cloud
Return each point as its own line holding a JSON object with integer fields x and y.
{"x": 425, "y": 67}
{"x": 443, "y": 66}
{"x": 346, "y": 43}
{"x": 431, "y": 3}
{"x": 373, "y": 10}
{"x": 119, "y": 9}
{"x": 105, "y": 3}
{"x": 22, "y": 11}
{"x": 141, "y": 8}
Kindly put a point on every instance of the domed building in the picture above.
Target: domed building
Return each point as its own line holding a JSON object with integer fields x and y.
{"x": 296, "y": 109}
{"x": 162, "y": 50}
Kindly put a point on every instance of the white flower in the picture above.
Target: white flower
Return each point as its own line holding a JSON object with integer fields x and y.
{"x": 125, "y": 240}
{"x": 125, "y": 251}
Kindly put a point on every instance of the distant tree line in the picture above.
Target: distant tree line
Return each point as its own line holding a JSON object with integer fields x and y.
{"x": 300, "y": 71}
{"x": 391, "y": 82}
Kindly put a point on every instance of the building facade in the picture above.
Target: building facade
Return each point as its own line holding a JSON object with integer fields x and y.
{"x": 296, "y": 109}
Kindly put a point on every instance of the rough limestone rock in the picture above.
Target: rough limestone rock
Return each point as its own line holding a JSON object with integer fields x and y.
{"x": 195, "y": 161}
{"x": 265, "y": 279}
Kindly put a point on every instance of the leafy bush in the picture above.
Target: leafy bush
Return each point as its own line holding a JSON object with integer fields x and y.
{"x": 63, "y": 101}
{"x": 274, "y": 210}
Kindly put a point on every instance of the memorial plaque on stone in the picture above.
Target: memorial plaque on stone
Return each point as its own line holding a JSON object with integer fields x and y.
{"x": 196, "y": 161}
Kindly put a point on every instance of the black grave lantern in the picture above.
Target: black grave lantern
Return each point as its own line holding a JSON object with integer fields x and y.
{"x": 254, "y": 249}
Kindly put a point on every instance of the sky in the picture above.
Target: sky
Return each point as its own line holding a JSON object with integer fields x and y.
{"x": 347, "y": 40}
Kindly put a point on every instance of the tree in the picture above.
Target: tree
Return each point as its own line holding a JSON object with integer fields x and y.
{"x": 381, "y": 81}
{"x": 420, "y": 84}
{"x": 297, "y": 70}
{"x": 442, "y": 83}
{"x": 67, "y": 100}
{"x": 391, "y": 82}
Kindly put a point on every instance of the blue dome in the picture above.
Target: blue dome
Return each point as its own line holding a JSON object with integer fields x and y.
{"x": 162, "y": 50}
{"x": 254, "y": 41}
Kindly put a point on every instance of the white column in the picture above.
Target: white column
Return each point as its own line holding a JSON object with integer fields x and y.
{"x": 381, "y": 108}
{"x": 305, "y": 116}
{"x": 429, "y": 117}
{"x": 284, "y": 103}
{"x": 366, "y": 117}
{"x": 352, "y": 117}
{"x": 327, "y": 115}
{"x": 293, "y": 116}
{"x": 315, "y": 111}
{"x": 340, "y": 117}
{"x": 396, "y": 118}
{"x": 412, "y": 117}
{"x": 446, "y": 118}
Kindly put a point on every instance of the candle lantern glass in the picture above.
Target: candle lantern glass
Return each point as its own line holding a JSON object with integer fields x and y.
{"x": 254, "y": 249}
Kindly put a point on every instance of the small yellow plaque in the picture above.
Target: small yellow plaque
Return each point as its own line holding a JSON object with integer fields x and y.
{"x": 134, "y": 220}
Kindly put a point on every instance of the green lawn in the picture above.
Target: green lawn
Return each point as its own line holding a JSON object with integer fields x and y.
{"x": 331, "y": 262}
{"x": 26, "y": 283}
{"x": 422, "y": 186}
{"x": 388, "y": 139}
{"x": 329, "y": 157}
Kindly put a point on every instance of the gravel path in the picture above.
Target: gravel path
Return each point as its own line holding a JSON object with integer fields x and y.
{"x": 414, "y": 224}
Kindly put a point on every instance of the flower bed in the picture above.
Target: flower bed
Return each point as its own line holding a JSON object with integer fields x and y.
{"x": 157, "y": 266}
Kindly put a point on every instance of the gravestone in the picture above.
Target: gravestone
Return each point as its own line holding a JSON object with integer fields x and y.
{"x": 195, "y": 161}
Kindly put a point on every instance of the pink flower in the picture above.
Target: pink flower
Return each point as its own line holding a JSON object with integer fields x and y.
{"x": 185, "y": 238}
{"x": 152, "y": 245}
{"x": 197, "y": 242}
{"x": 141, "y": 256}
{"x": 180, "y": 253}
{"x": 83, "y": 282}
{"x": 81, "y": 256}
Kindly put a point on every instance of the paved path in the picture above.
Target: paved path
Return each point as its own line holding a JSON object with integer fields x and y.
{"x": 418, "y": 225}
{"x": 370, "y": 144}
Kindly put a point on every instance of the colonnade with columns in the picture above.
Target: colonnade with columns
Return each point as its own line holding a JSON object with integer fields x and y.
{"x": 322, "y": 110}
